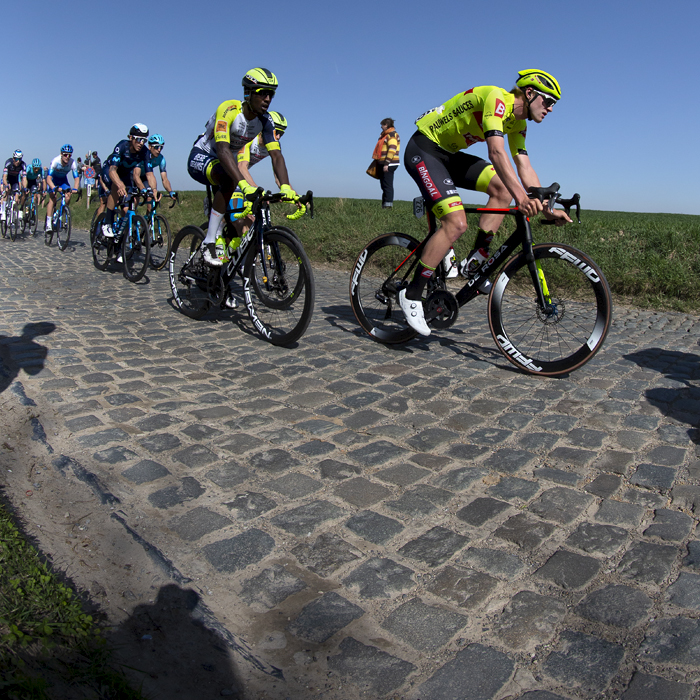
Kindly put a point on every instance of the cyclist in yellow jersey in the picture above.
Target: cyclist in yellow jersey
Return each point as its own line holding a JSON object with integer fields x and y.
{"x": 434, "y": 159}
{"x": 251, "y": 154}
{"x": 212, "y": 160}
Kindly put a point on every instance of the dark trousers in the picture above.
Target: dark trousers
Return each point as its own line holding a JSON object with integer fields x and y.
{"x": 386, "y": 180}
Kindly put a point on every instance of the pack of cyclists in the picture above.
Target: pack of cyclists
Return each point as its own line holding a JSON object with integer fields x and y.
{"x": 241, "y": 133}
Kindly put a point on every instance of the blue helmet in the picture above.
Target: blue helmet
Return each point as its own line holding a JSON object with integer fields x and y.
{"x": 66, "y": 148}
{"x": 36, "y": 164}
{"x": 156, "y": 140}
{"x": 17, "y": 154}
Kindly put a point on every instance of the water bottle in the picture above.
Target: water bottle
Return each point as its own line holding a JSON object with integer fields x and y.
{"x": 470, "y": 265}
{"x": 221, "y": 249}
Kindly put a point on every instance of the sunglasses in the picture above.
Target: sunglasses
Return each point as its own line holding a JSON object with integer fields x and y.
{"x": 158, "y": 147}
{"x": 65, "y": 155}
{"x": 265, "y": 93}
{"x": 139, "y": 139}
{"x": 547, "y": 100}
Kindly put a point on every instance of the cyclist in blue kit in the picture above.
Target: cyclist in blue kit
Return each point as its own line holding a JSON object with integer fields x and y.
{"x": 119, "y": 171}
{"x": 57, "y": 179}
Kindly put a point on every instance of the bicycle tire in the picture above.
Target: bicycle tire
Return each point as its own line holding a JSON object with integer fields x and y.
{"x": 280, "y": 304}
{"x": 557, "y": 343}
{"x": 374, "y": 288}
{"x": 14, "y": 224}
{"x": 136, "y": 246}
{"x": 274, "y": 299}
{"x": 102, "y": 248}
{"x": 160, "y": 242}
{"x": 64, "y": 228}
{"x": 188, "y": 272}
{"x": 34, "y": 221}
{"x": 25, "y": 218}
{"x": 3, "y": 224}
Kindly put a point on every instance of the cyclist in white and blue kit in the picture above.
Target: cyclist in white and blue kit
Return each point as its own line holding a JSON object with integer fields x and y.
{"x": 57, "y": 179}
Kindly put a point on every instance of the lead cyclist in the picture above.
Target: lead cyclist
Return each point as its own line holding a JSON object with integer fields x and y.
{"x": 434, "y": 159}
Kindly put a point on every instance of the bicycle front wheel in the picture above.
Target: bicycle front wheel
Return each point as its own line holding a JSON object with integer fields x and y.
{"x": 379, "y": 274}
{"x": 33, "y": 220}
{"x": 559, "y": 339}
{"x": 14, "y": 224}
{"x": 136, "y": 246}
{"x": 63, "y": 230}
{"x": 102, "y": 247}
{"x": 279, "y": 288}
{"x": 160, "y": 242}
{"x": 189, "y": 273}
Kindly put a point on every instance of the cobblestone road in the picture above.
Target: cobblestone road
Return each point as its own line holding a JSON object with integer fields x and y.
{"x": 412, "y": 522}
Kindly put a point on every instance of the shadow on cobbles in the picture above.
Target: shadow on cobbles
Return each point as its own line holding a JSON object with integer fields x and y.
{"x": 171, "y": 653}
{"x": 23, "y": 353}
{"x": 679, "y": 397}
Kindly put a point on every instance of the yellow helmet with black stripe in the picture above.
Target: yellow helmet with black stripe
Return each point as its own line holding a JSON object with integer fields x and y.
{"x": 279, "y": 121}
{"x": 539, "y": 80}
{"x": 259, "y": 79}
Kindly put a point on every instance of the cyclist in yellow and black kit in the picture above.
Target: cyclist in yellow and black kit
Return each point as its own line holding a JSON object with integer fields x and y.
{"x": 212, "y": 160}
{"x": 434, "y": 159}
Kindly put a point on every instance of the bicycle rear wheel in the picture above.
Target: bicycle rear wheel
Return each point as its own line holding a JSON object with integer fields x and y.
{"x": 279, "y": 290}
{"x": 570, "y": 331}
{"x": 63, "y": 230}
{"x": 160, "y": 242}
{"x": 102, "y": 247}
{"x": 379, "y": 274}
{"x": 189, "y": 273}
{"x": 136, "y": 246}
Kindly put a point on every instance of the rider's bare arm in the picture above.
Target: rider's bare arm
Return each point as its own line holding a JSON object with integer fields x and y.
{"x": 498, "y": 155}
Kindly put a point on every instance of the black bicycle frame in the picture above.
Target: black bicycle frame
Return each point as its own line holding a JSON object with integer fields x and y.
{"x": 522, "y": 236}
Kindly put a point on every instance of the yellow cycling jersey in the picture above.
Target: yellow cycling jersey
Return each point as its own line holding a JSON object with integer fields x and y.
{"x": 253, "y": 152}
{"x": 229, "y": 125}
{"x": 471, "y": 117}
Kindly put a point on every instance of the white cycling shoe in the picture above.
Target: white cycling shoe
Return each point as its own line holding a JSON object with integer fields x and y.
{"x": 210, "y": 256}
{"x": 107, "y": 231}
{"x": 413, "y": 311}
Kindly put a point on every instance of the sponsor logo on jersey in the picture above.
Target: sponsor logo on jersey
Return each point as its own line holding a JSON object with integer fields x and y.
{"x": 221, "y": 126}
{"x": 500, "y": 109}
{"x": 447, "y": 181}
{"x": 415, "y": 159}
{"x": 451, "y": 192}
{"x": 452, "y": 205}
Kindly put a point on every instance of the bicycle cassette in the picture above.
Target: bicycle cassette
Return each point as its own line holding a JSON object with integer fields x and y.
{"x": 441, "y": 309}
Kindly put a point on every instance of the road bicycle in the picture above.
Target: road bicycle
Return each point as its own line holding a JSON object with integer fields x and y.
{"x": 11, "y": 222}
{"x": 31, "y": 214}
{"x": 61, "y": 222}
{"x": 130, "y": 244}
{"x": 277, "y": 279}
{"x": 549, "y": 307}
{"x": 159, "y": 230}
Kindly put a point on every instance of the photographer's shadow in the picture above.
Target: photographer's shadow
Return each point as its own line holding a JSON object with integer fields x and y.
{"x": 680, "y": 400}
{"x": 23, "y": 352}
{"x": 170, "y": 653}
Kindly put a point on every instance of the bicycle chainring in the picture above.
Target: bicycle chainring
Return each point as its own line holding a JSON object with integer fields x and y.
{"x": 441, "y": 309}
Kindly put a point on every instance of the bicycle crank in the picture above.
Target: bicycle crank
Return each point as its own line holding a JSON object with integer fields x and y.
{"x": 441, "y": 309}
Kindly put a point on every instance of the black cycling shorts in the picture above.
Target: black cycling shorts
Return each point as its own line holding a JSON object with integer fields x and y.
{"x": 438, "y": 173}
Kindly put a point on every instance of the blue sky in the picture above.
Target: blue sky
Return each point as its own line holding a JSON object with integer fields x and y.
{"x": 624, "y": 68}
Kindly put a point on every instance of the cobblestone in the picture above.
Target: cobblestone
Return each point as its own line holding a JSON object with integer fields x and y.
{"x": 417, "y": 521}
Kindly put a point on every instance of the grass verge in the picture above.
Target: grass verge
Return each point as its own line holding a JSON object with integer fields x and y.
{"x": 650, "y": 260}
{"x": 49, "y": 647}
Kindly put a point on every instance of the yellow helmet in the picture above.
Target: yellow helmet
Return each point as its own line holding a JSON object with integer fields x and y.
{"x": 539, "y": 80}
{"x": 259, "y": 79}
{"x": 279, "y": 121}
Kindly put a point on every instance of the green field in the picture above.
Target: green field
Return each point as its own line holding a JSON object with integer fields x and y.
{"x": 650, "y": 260}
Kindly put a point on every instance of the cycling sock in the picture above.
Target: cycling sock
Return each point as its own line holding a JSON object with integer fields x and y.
{"x": 216, "y": 221}
{"x": 483, "y": 239}
{"x": 424, "y": 272}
